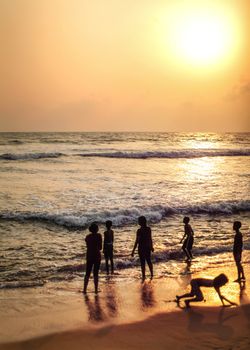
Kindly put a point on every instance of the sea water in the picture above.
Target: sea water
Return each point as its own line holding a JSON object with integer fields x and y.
{"x": 53, "y": 185}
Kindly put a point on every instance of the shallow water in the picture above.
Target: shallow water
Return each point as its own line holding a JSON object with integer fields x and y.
{"x": 54, "y": 184}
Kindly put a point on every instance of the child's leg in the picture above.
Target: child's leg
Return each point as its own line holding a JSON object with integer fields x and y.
{"x": 196, "y": 299}
{"x": 187, "y": 295}
{"x": 107, "y": 264}
{"x": 89, "y": 266}
{"x": 240, "y": 271}
{"x": 197, "y": 293}
{"x": 187, "y": 253}
{"x": 111, "y": 260}
{"x": 142, "y": 261}
{"x": 190, "y": 253}
{"x": 195, "y": 290}
{"x": 112, "y": 264}
{"x": 150, "y": 265}
{"x": 96, "y": 272}
{"x": 185, "y": 249}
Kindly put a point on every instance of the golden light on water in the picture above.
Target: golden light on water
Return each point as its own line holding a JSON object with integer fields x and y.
{"x": 199, "y": 168}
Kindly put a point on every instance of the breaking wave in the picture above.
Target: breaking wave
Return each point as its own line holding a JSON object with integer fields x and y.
{"x": 172, "y": 154}
{"x": 128, "y": 216}
{"x": 188, "y": 153}
{"x": 27, "y": 156}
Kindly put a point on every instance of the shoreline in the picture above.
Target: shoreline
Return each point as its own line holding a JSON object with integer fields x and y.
{"x": 196, "y": 328}
{"x": 47, "y": 315}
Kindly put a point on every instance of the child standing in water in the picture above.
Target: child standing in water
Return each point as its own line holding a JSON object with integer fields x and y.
{"x": 145, "y": 245}
{"x": 94, "y": 247}
{"x": 189, "y": 238}
{"x": 196, "y": 292}
{"x": 108, "y": 246}
{"x": 237, "y": 250}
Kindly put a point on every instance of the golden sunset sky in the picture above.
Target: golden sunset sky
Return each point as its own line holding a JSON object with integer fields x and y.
{"x": 125, "y": 65}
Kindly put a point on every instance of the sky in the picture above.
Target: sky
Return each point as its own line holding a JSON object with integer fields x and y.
{"x": 125, "y": 65}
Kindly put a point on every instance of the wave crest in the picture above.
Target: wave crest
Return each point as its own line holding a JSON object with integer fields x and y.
{"x": 129, "y": 216}
{"x": 27, "y": 156}
{"x": 188, "y": 153}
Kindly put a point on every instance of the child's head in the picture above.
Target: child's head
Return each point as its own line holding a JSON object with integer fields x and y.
{"x": 142, "y": 221}
{"x": 108, "y": 224}
{"x": 236, "y": 225}
{"x": 186, "y": 220}
{"x": 93, "y": 228}
{"x": 220, "y": 280}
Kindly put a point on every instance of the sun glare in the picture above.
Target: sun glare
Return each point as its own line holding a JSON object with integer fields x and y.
{"x": 201, "y": 36}
{"x": 202, "y": 39}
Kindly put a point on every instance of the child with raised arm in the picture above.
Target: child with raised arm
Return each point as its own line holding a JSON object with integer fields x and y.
{"x": 196, "y": 292}
{"x": 108, "y": 246}
{"x": 237, "y": 250}
{"x": 145, "y": 246}
{"x": 188, "y": 238}
{"x": 93, "y": 256}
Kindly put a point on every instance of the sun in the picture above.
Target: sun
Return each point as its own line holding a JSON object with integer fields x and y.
{"x": 202, "y": 39}
{"x": 200, "y": 36}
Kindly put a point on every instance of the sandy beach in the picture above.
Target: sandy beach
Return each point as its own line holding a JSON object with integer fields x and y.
{"x": 126, "y": 315}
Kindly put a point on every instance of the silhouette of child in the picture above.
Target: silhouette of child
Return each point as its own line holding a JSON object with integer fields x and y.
{"x": 145, "y": 245}
{"x": 189, "y": 238}
{"x": 108, "y": 246}
{"x": 237, "y": 250}
{"x": 94, "y": 247}
{"x": 196, "y": 292}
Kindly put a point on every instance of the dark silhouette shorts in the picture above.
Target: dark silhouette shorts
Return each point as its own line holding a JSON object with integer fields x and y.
{"x": 188, "y": 243}
{"x": 145, "y": 256}
{"x": 93, "y": 264}
{"x": 108, "y": 252}
{"x": 195, "y": 290}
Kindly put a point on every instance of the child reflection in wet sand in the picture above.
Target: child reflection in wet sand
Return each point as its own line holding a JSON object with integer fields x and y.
{"x": 147, "y": 296}
{"x": 95, "y": 311}
{"x": 196, "y": 292}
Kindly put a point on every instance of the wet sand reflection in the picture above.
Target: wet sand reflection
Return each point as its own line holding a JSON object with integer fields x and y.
{"x": 111, "y": 299}
{"x": 147, "y": 296}
{"x": 95, "y": 311}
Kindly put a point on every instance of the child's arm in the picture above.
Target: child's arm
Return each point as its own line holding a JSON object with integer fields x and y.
{"x": 222, "y": 298}
{"x": 135, "y": 245}
{"x": 100, "y": 242}
{"x": 183, "y": 237}
{"x": 151, "y": 241}
{"x": 191, "y": 230}
{"x": 104, "y": 242}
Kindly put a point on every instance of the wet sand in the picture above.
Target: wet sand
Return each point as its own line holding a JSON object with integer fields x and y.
{"x": 126, "y": 314}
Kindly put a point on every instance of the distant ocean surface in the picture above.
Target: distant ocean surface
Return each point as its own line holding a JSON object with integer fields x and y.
{"x": 53, "y": 185}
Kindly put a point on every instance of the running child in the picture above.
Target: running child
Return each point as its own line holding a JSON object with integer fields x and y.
{"x": 188, "y": 238}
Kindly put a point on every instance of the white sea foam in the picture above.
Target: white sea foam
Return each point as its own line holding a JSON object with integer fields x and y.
{"x": 129, "y": 216}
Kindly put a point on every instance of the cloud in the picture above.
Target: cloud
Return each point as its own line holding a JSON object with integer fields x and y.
{"x": 241, "y": 89}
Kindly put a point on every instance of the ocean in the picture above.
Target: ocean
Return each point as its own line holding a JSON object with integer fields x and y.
{"x": 53, "y": 185}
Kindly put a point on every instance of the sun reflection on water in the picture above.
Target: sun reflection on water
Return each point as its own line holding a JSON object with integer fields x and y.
{"x": 202, "y": 167}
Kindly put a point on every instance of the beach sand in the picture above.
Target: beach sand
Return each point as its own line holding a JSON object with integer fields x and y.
{"x": 126, "y": 315}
